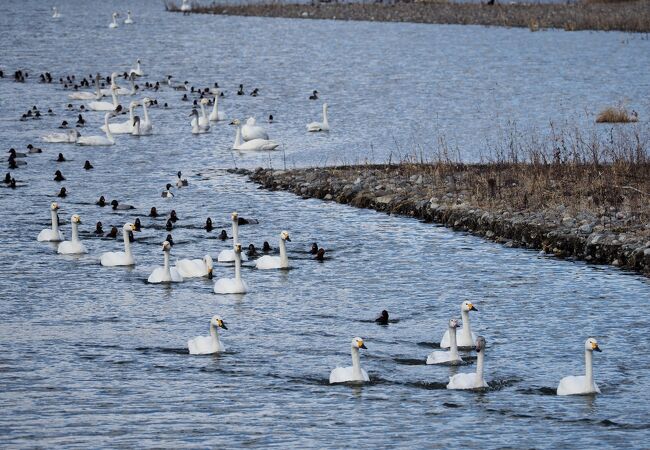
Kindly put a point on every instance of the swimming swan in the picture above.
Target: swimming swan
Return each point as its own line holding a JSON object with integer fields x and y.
{"x": 216, "y": 115}
{"x": 99, "y": 140}
{"x": 165, "y": 274}
{"x": 451, "y": 357}
{"x": 204, "y": 121}
{"x": 196, "y": 127}
{"x": 276, "y": 262}
{"x": 113, "y": 24}
{"x": 195, "y": 268}
{"x": 55, "y": 13}
{"x": 229, "y": 255}
{"x": 467, "y": 337}
{"x": 125, "y": 127}
{"x": 105, "y": 106}
{"x": 73, "y": 247}
{"x": 355, "y": 372}
{"x": 129, "y": 20}
{"x": 582, "y": 384}
{"x": 252, "y": 131}
{"x": 69, "y": 137}
{"x": 471, "y": 380}
{"x": 232, "y": 285}
{"x": 255, "y": 144}
{"x": 137, "y": 70}
{"x": 51, "y": 234}
{"x": 206, "y": 345}
{"x": 320, "y": 126}
{"x": 124, "y": 258}
{"x": 88, "y": 95}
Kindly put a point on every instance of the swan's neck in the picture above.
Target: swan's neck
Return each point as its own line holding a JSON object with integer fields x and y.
{"x": 467, "y": 329}
{"x": 589, "y": 369}
{"x": 131, "y": 112}
{"x": 114, "y": 98}
{"x": 98, "y": 94}
{"x": 325, "y": 122}
{"x": 237, "y": 137}
{"x": 127, "y": 242}
{"x": 356, "y": 364}
{"x": 215, "y": 336}
{"x": 55, "y": 222}
{"x": 235, "y": 232}
{"x": 75, "y": 232}
{"x": 109, "y": 136}
{"x": 480, "y": 359}
{"x": 284, "y": 259}
{"x": 166, "y": 269}
{"x": 215, "y": 107}
{"x": 238, "y": 267}
{"x": 146, "y": 113}
{"x": 136, "y": 129}
{"x": 453, "y": 345}
{"x": 132, "y": 83}
{"x": 202, "y": 110}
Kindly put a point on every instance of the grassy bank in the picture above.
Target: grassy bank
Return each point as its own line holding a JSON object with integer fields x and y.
{"x": 631, "y": 15}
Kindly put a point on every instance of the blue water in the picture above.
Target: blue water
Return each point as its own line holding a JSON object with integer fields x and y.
{"x": 96, "y": 357}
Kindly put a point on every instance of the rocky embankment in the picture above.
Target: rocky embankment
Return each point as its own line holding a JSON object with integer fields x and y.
{"x": 614, "y": 237}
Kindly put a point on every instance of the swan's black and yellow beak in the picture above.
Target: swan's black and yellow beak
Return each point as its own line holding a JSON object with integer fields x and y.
{"x": 288, "y": 239}
{"x": 363, "y": 346}
{"x": 472, "y": 308}
{"x": 595, "y": 347}
{"x": 222, "y": 324}
{"x": 210, "y": 274}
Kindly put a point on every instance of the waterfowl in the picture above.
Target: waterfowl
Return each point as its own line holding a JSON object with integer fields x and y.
{"x": 101, "y": 202}
{"x": 99, "y": 140}
{"x": 172, "y": 216}
{"x": 251, "y": 130}
{"x": 467, "y": 337}
{"x": 180, "y": 182}
{"x": 450, "y": 357}
{"x": 60, "y": 158}
{"x": 63, "y": 193}
{"x": 240, "y": 91}
{"x": 75, "y": 246}
{"x": 14, "y": 154}
{"x": 255, "y": 144}
{"x": 266, "y": 248}
{"x": 195, "y": 268}
{"x": 232, "y": 285}
{"x": 582, "y": 384}
{"x": 276, "y": 262}
{"x": 216, "y": 115}
{"x": 81, "y": 122}
{"x": 31, "y": 149}
{"x": 320, "y": 255}
{"x": 12, "y": 183}
{"x": 204, "y": 121}
{"x": 137, "y": 224}
{"x": 8, "y": 178}
{"x": 252, "y": 251}
{"x": 165, "y": 274}
{"x": 186, "y": 8}
{"x": 196, "y": 127}
{"x": 125, "y": 127}
{"x": 124, "y": 258}
{"x": 170, "y": 239}
{"x": 314, "y": 95}
{"x": 69, "y": 137}
{"x": 207, "y": 345}
{"x": 208, "y": 225}
{"x": 64, "y": 124}
{"x": 88, "y": 95}
{"x": 51, "y": 234}
{"x": 255, "y": 92}
{"x": 471, "y": 380}
{"x": 121, "y": 207}
{"x": 87, "y": 165}
{"x": 55, "y": 13}
{"x": 354, "y": 373}
{"x": 153, "y": 212}
{"x": 146, "y": 127}
{"x": 320, "y": 126}
{"x": 113, "y": 233}
{"x": 167, "y": 193}
{"x": 270, "y": 118}
{"x": 113, "y": 24}
{"x": 169, "y": 226}
{"x": 314, "y": 248}
{"x": 106, "y": 106}
{"x": 58, "y": 176}
{"x": 223, "y": 235}
{"x": 383, "y": 318}
{"x": 229, "y": 255}
{"x": 129, "y": 21}
{"x": 99, "y": 229}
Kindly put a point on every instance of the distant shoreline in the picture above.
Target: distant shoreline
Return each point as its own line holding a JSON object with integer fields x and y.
{"x": 629, "y": 16}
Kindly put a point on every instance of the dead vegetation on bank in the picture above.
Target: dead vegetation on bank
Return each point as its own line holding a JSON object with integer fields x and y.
{"x": 606, "y": 15}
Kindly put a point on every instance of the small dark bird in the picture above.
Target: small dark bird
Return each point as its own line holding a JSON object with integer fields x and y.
{"x": 101, "y": 202}
{"x": 12, "y": 163}
{"x": 58, "y": 176}
{"x": 266, "y": 247}
{"x": 153, "y": 212}
{"x": 270, "y": 118}
{"x": 383, "y": 319}
{"x": 314, "y": 248}
{"x": 241, "y": 90}
{"x": 81, "y": 121}
{"x": 60, "y": 158}
{"x": 62, "y": 193}
{"x": 320, "y": 255}
{"x": 184, "y": 98}
{"x": 252, "y": 251}
{"x": 99, "y": 229}
{"x": 169, "y": 226}
{"x": 32, "y": 149}
{"x": 137, "y": 224}
{"x": 112, "y": 233}
{"x": 170, "y": 240}
{"x": 223, "y": 235}
{"x": 64, "y": 125}
{"x": 12, "y": 183}
{"x": 14, "y": 154}
{"x": 180, "y": 182}
{"x": 167, "y": 193}
{"x": 8, "y": 178}
{"x": 314, "y": 96}
{"x": 87, "y": 165}
{"x": 131, "y": 237}
{"x": 208, "y": 225}
{"x": 172, "y": 216}
{"x": 116, "y": 206}
{"x": 255, "y": 92}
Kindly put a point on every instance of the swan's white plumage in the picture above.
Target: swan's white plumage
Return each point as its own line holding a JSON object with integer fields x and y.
{"x": 206, "y": 345}
{"x": 251, "y": 131}
{"x": 320, "y": 126}
{"x": 354, "y": 373}
{"x": 69, "y": 137}
{"x": 105, "y": 106}
{"x": 165, "y": 274}
{"x": 582, "y": 384}
{"x": 129, "y": 21}
{"x": 113, "y": 24}
{"x": 216, "y": 114}
{"x": 195, "y": 268}
{"x": 451, "y": 357}
{"x": 74, "y": 246}
{"x": 229, "y": 254}
{"x": 465, "y": 336}
{"x": 471, "y": 380}
{"x": 125, "y": 127}
{"x": 51, "y": 234}
{"x": 124, "y": 258}
{"x": 267, "y": 262}
{"x": 98, "y": 140}
{"x": 232, "y": 285}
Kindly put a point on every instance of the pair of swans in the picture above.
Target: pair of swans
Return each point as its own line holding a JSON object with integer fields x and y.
{"x": 125, "y": 127}
{"x": 165, "y": 274}
{"x": 229, "y": 255}
{"x": 125, "y": 258}
{"x": 232, "y": 285}
{"x": 451, "y": 357}
{"x": 276, "y": 262}
{"x": 257, "y": 144}
{"x": 52, "y": 234}
{"x": 216, "y": 115}
{"x": 200, "y": 124}
{"x": 207, "y": 345}
{"x": 354, "y": 373}
{"x": 467, "y": 338}
{"x": 69, "y": 137}
{"x": 74, "y": 246}
{"x": 99, "y": 140}
{"x": 320, "y": 126}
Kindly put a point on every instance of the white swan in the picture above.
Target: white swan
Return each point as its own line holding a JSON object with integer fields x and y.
{"x": 113, "y": 24}
{"x": 471, "y": 380}
{"x": 51, "y": 234}
{"x": 216, "y": 115}
{"x": 105, "y": 106}
{"x": 125, "y": 127}
{"x": 137, "y": 70}
{"x": 195, "y": 268}
{"x": 204, "y": 121}
{"x": 582, "y": 384}
{"x": 320, "y": 126}
{"x": 206, "y": 345}
{"x": 196, "y": 128}
{"x": 355, "y": 372}
{"x": 165, "y": 274}
{"x": 251, "y": 131}
{"x": 138, "y": 131}
{"x": 185, "y": 7}
{"x": 99, "y": 140}
{"x": 467, "y": 338}
{"x": 232, "y": 285}
{"x": 55, "y": 13}
{"x": 255, "y": 144}
{"x": 146, "y": 126}
{"x": 229, "y": 255}
{"x": 115, "y": 88}
{"x": 73, "y": 247}
{"x": 128, "y": 20}
{"x": 276, "y": 262}
{"x": 451, "y": 357}
{"x": 124, "y": 258}
{"x": 69, "y": 137}
{"x": 88, "y": 95}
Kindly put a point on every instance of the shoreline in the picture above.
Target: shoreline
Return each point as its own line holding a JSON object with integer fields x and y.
{"x": 627, "y": 16}
{"x": 616, "y": 236}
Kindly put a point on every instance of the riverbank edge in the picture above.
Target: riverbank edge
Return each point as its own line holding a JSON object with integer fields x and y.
{"x": 517, "y": 231}
{"x": 629, "y": 16}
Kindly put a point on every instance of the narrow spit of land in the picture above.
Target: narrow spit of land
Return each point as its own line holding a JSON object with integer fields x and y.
{"x": 578, "y": 212}
{"x": 605, "y": 15}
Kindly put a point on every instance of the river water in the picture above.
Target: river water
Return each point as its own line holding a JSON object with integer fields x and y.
{"x": 96, "y": 357}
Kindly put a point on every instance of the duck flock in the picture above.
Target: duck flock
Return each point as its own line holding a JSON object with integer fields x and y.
{"x": 249, "y": 137}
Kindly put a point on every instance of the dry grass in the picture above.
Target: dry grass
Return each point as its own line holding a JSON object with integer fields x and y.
{"x": 616, "y": 115}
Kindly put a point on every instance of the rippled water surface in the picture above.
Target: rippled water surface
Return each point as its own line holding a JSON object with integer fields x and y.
{"x": 95, "y": 356}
